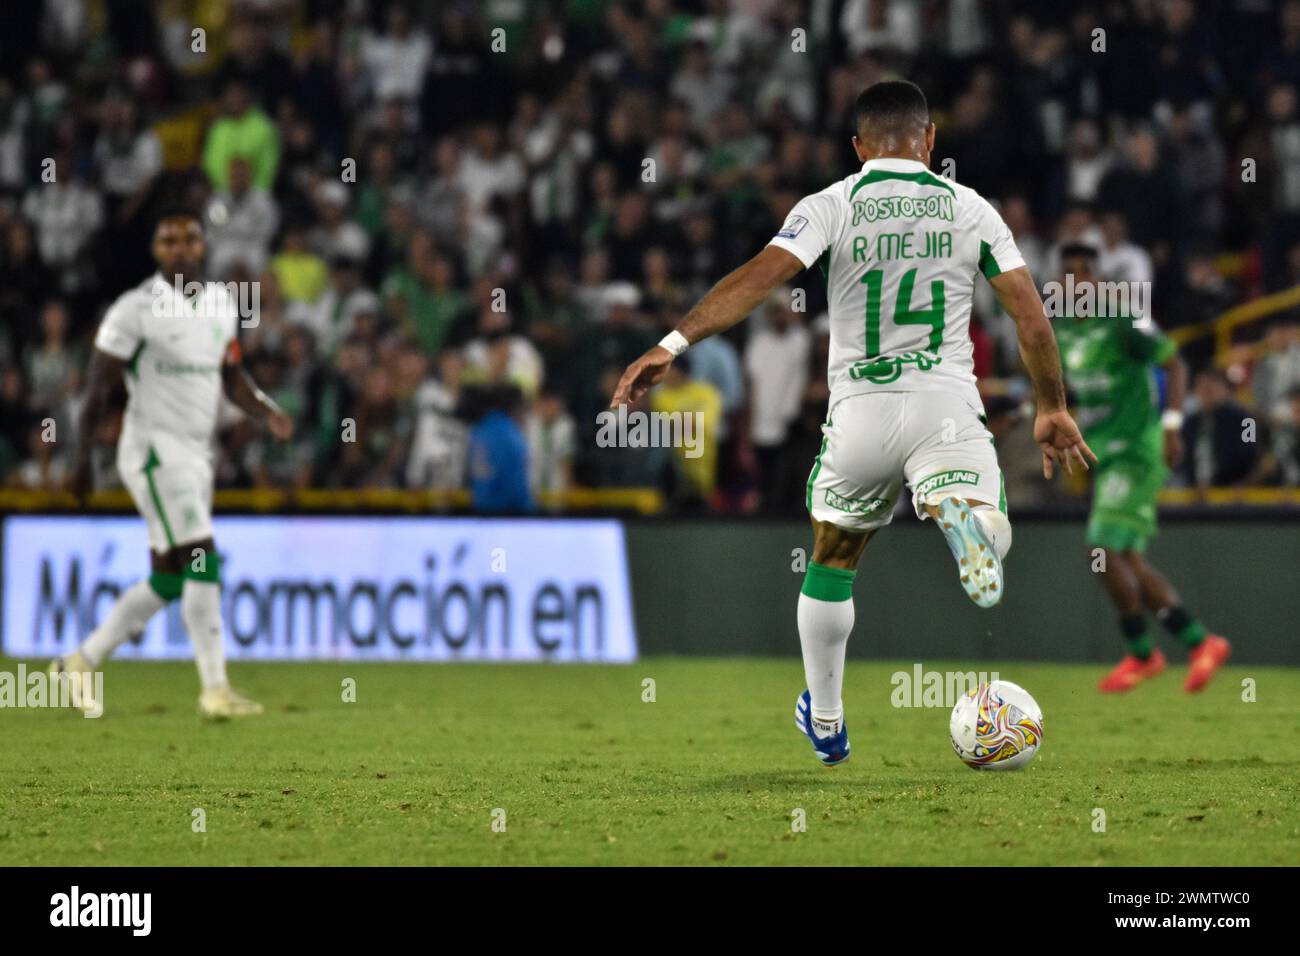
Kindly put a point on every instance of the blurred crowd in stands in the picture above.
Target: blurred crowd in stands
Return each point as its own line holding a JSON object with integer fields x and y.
{"x": 464, "y": 219}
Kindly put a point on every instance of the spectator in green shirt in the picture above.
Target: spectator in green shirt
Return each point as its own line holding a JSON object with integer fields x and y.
{"x": 423, "y": 294}
{"x": 242, "y": 130}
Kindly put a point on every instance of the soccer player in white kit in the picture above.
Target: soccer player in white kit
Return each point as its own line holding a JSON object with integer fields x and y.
{"x": 900, "y": 248}
{"x": 173, "y": 338}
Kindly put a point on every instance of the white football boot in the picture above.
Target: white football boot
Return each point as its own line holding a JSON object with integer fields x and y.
{"x": 81, "y": 690}
{"x": 978, "y": 540}
{"x": 218, "y": 703}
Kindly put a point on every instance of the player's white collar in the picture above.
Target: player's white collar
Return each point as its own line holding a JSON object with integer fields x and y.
{"x": 894, "y": 164}
{"x": 170, "y": 283}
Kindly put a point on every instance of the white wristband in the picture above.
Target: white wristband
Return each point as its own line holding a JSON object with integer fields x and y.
{"x": 675, "y": 343}
{"x": 1171, "y": 418}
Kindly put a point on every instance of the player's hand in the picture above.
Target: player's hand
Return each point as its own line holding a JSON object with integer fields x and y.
{"x": 280, "y": 424}
{"x": 1061, "y": 441}
{"x": 1173, "y": 447}
{"x": 81, "y": 482}
{"x": 641, "y": 375}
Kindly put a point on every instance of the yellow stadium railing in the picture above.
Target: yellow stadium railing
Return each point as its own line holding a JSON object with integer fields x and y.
{"x": 1256, "y": 497}
{"x": 642, "y": 501}
{"x": 646, "y": 501}
{"x": 1224, "y": 326}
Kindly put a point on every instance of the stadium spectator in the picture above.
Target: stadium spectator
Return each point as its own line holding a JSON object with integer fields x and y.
{"x": 498, "y": 454}
{"x": 1087, "y": 162}
{"x": 396, "y": 59}
{"x": 1284, "y": 455}
{"x": 1196, "y": 158}
{"x": 335, "y": 235}
{"x": 1146, "y": 194}
{"x": 716, "y": 362}
{"x": 500, "y": 356}
{"x": 242, "y": 130}
{"x": 338, "y": 312}
{"x": 422, "y": 295}
{"x": 241, "y": 222}
{"x": 525, "y": 170}
{"x": 1222, "y": 439}
{"x": 895, "y": 25}
{"x": 52, "y": 365}
{"x": 300, "y": 272}
{"x": 552, "y": 442}
{"x": 24, "y": 279}
{"x": 376, "y": 446}
{"x": 556, "y": 319}
{"x": 1118, "y": 259}
{"x": 440, "y": 443}
{"x": 693, "y": 411}
{"x": 66, "y": 212}
{"x": 1277, "y": 373}
{"x": 699, "y": 84}
{"x": 777, "y": 356}
{"x": 128, "y": 156}
{"x": 46, "y": 465}
{"x": 14, "y": 417}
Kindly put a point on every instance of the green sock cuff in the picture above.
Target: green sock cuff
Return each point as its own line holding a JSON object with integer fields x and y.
{"x": 1192, "y": 634}
{"x": 1182, "y": 626}
{"x": 828, "y": 584}
{"x": 1140, "y": 647}
{"x": 166, "y": 586}
{"x": 1136, "y": 635}
{"x": 210, "y": 571}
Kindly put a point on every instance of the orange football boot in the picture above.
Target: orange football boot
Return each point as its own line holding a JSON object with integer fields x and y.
{"x": 1206, "y": 658}
{"x": 1132, "y": 671}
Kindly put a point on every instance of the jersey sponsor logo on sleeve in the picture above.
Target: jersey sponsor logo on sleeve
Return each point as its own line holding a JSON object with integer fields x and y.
{"x": 793, "y": 226}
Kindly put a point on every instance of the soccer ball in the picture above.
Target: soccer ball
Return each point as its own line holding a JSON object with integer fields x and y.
{"x": 997, "y": 726}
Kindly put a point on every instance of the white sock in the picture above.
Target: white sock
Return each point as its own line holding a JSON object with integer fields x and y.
{"x": 128, "y": 618}
{"x": 201, "y": 611}
{"x": 996, "y": 525}
{"x": 824, "y": 628}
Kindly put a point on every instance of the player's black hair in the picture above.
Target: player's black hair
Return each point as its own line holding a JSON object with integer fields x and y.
{"x": 1078, "y": 250}
{"x": 480, "y": 400}
{"x": 236, "y": 78}
{"x": 1214, "y": 372}
{"x": 177, "y": 212}
{"x": 891, "y": 105}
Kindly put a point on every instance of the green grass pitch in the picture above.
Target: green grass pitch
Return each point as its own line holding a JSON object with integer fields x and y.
{"x": 710, "y": 773}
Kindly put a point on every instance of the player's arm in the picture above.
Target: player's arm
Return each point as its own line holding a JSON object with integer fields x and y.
{"x": 105, "y": 372}
{"x": 1054, "y": 430}
{"x": 734, "y": 297}
{"x": 251, "y": 400}
{"x": 1171, "y": 421}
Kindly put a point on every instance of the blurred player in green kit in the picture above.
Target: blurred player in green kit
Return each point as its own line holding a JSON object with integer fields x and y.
{"x": 1109, "y": 362}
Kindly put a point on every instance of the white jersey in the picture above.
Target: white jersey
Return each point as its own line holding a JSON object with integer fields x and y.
{"x": 175, "y": 349}
{"x": 900, "y": 248}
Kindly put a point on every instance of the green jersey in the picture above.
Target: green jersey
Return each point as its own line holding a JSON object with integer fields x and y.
{"x": 1108, "y": 366}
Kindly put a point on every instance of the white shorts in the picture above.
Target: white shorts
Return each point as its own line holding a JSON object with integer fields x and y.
{"x": 171, "y": 486}
{"x": 876, "y": 441}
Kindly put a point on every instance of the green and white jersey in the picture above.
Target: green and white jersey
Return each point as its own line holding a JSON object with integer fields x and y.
{"x": 900, "y": 248}
{"x": 175, "y": 348}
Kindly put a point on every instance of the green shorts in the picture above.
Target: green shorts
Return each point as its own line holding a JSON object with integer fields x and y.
{"x": 1124, "y": 494}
